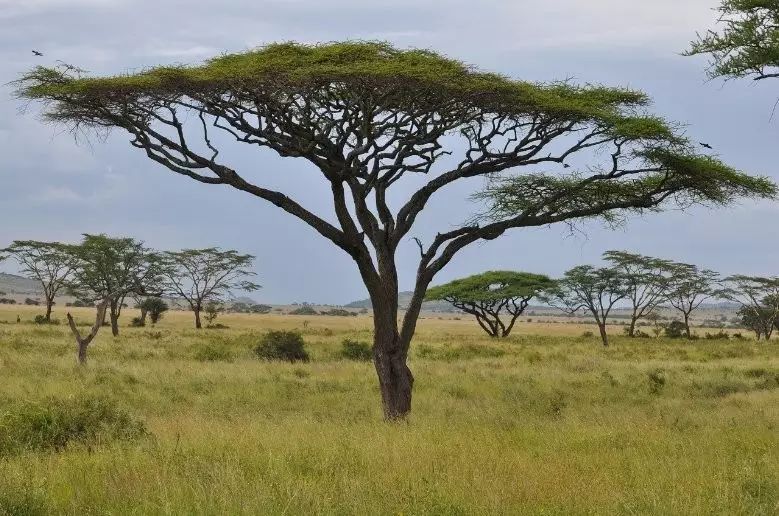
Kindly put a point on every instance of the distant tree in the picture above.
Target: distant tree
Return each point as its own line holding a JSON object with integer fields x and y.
{"x": 688, "y": 288}
{"x": 486, "y": 296}
{"x": 48, "y": 263}
{"x": 260, "y": 309}
{"x": 112, "y": 269}
{"x": 596, "y": 290}
{"x": 304, "y": 310}
{"x": 759, "y": 299}
{"x": 154, "y": 308}
{"x": 202, "y": 275}
{"x": 389, "y": 131}
{"x": 747, "y": 46}
{"x": 645, "y": 281}
{"x": 212, "y": 311}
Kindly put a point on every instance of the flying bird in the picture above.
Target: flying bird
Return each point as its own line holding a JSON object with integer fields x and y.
{"x": 566, "y": 165}
{"x": 39, "y": 54}
{"x": 706, "y": 145}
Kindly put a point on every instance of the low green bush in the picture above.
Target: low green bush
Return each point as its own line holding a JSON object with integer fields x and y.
{"x": 55, "y": 423}
{"x": 356, "y": 350}
{"x": 282, "y": 345}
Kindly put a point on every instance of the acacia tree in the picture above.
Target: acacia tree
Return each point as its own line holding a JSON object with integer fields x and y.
{"x": 372, "y": 119}
{"x": 759, "y": 299}
{"x": 596, "y": 290}
{"x": 202, "y": 275}
{"x": 645, "y": 281}
{"x": 747, "y": 46}
{"x": 49, "y": 263}
{"x": 110, "y": 269}
{"x": 689, "y": 287}
{"x": 488, "y": 294}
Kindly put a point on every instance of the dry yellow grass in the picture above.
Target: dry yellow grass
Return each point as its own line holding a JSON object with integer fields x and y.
{"x": 543, "y": 422}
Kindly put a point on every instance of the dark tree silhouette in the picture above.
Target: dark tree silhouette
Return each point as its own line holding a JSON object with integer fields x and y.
{"x": 486, "y": 296}
{"x": 370, "y": 118}
{"x": 759, "y": 299}
{"x": 689, "y": 287}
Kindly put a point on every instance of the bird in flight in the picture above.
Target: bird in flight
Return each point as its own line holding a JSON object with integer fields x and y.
{"x": 706, "y": 145}
{"x": 39, "y": 54}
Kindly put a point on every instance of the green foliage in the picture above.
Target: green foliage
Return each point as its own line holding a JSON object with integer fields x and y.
{"x": 338, "y": 312}
{"x": 41, "y": 319}
{"x": 304, "y": 310}
{"x": 675, "y": 330}
{"x": 212, "y": 311}
{"x": 55, "y": 424}
{"x": 657, "y": 381}
{"x": 748, "y": 45}
{"x": 282, "y": 345}
{"x": 491, "y": 286}
{"x": 155, "y": 307}
{"x": 356, "y": 350}
{"x": 212, "y": 352}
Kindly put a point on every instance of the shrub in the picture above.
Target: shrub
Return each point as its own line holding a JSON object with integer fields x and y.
{"x": 656, "y": 381}
{"x": 282, "y": 345}
{"x": 54, "y": 424}
{"x": 155, "y": 307}
{"x": 356, "y": 350}
{"x": 41, "y": 319}
{"x": 304, "y": 310}
{"x": 6, "y": 301}
{"x": 213, "y": 353}
{"x": 339, "y": 312}
{"x": 32, "y": 302}
{"x": 137, "y": 322}
{"x": 675, "y": 330}
{"x": 720, "y": 335}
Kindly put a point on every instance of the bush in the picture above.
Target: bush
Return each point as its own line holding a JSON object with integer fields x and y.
{"x": 675, "y": 330}
{"x": 6, "y": 301}
{"x": 137, "y": 322}
{"x": 32, "y": 302}
{"x": 656, "y": 381}
{"x": 720, "y": 335}
{"x": 80, "y": 304}
{"x": 41, "y": 319}
{"x": 339, "y": 312}
{"x": 304, "y": 310}
{"x": 213, "y": 353}
{"x": 282, "y": 345}
{"x": 356, "y": 350}
{"x": 54, "y": 424}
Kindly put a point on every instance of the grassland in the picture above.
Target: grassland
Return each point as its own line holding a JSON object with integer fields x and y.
{"x": 543, "y": 422}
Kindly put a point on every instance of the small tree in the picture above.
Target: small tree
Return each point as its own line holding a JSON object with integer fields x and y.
{"x": 48, "y": 263}
{"x": 84, "y": 341}
{"x": 212, "y": 311}
{"x": 487, "y": 295}
{"x": 200, "y": 275}
{"x": 759, "y": 299}
{"x": 112, "y": 269}
{"x": 645, "y": 281}
{"x": 597, "y": 290}
{"x": 747, "y": 46}
{"x": 688, "y": 288}
{"x": 154, "y": 307}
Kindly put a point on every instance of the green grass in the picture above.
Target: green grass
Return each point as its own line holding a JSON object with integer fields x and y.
{"x": 550, "y": 423}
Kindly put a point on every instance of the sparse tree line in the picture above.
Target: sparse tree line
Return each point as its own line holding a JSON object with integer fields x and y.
{"x": 104, "y": 272}
{"x": 641, "y": 284}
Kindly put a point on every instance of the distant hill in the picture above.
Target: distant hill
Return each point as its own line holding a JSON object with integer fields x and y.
{"x": 13, "y": 284}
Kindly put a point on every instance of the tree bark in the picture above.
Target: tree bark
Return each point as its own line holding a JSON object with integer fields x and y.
{"x": 389, "y": 357}
{"x": 632, "y": 328}
{"x": 603, "y": 335}
{"x": 198, "y": 324}
{"x": 687, "y": 326}
{"x": 144, "y": 313}
{"x": 114, "y": 316}
{"x": 83, "y": 342}
{"x": 49, "y": 304}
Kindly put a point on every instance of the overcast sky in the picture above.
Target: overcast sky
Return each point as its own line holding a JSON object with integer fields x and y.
{"x": 52, "y": 188}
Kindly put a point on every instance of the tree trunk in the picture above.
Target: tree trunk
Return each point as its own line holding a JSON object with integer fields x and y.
{"x": 632, "y": 327}
{"x": 687, "y": 326}
{"x": 198, "y": 324}
{"x": 114, "y": 319}
{"x": 603, "y": 335}
{"x": 83, "y": 342}
{"x": 49, "y": 304}
{"x": 144, "y": 313}
{"x": 389, "y": 358}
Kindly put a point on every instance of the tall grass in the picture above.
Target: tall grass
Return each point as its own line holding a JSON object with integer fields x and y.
{"x": 546, "y": 423}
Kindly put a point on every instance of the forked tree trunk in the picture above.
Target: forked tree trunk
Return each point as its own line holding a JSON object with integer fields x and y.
{"x": 83, "y": 342}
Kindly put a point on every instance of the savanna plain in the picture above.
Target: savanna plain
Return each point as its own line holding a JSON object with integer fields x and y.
{"x": 170, "y": 420}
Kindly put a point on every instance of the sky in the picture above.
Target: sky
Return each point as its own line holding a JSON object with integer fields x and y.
{"x": 53, "y": 187}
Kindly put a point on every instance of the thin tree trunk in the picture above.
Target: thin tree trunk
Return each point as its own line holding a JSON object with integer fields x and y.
{"x": 114, "y": 319}
{"x": 49, "y": 304}
{"x": 144, "y": 313}
{"x": 632, "y": 328}
{"x": 603, "y": 335}
{"x": 83, "y": 342}
{"x": 198, "y": 324}
{"x": 687, "y": 326}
